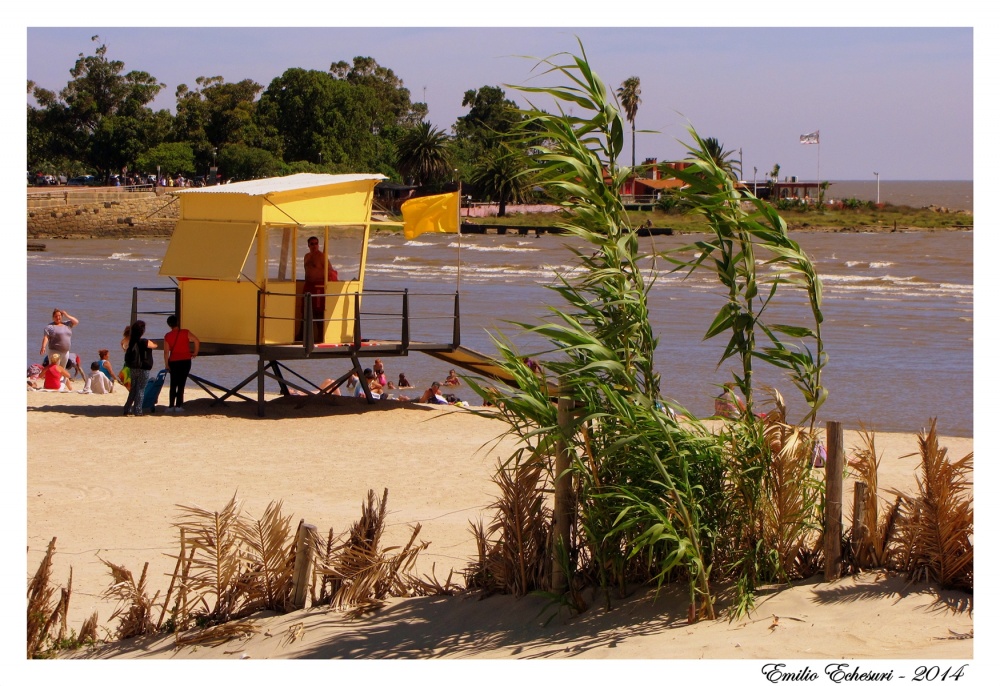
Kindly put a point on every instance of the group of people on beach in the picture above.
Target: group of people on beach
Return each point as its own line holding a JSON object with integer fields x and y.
{"x": 180, "y": 347}
{"x": 379, "y": 387}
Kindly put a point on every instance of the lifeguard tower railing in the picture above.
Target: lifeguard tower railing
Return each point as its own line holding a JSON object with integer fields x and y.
{"x": 382, "y": 325}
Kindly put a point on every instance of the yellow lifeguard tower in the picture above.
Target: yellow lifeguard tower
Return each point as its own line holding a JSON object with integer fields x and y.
{"x": 235, "y": 255}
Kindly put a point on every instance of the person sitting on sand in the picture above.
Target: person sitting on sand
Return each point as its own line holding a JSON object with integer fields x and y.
{"x": 403, "y": 381}
{"x": 373, "y": 385}
{"x": 35, "y": 374}
{"x": 728, "y": 404}
{"x": 104, "y": 364}
{"x": 97, "y": 382}
{"x": 56, "y": 376}
{"x": 452, "y": 379}
{"x": 324, "y": 388}
{"x": 73, "y": 366}
{"x": 433, "y": 395}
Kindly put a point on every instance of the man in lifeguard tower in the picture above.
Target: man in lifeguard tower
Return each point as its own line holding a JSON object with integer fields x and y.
{"x": 315, "y": 283}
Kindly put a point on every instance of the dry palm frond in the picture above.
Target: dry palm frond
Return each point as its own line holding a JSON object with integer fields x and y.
{"x": 870, "y": 535}
{"x": 269, "y": 560}
{"x": 935, "y": 528}
{"x": 778, "y": 412}
{"x": 477, "y": 573}
{"x": 135, "y": 608}
{"x": 41, "y": 611}
{"x": 789, "y": 508}
{"x": 362, "y": 574}
{"x": 513, "y": 552}
{"x": 329, "y": 583}
{"x": 62, "y": 609}
{"x": 216, "y": 635}
{"x": 429, "y": 585}
{"x": 215, "y": 564}
{"x": 88, "y": 631}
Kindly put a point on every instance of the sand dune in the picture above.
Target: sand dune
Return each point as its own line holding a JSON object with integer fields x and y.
{"x": 108, "y": 487}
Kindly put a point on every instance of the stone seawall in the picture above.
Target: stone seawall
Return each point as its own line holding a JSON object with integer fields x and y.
{"x": 101, "y": 214}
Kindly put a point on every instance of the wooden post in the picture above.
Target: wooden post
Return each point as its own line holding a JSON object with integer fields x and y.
{"x": 833, "y": 529}
{"x": 859, "y": 530}
{"x": 302, "y": 574}
{"x": 563, "y": 507}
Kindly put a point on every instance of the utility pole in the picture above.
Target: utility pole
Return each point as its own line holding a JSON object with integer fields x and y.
{"x": 878, "y": 197}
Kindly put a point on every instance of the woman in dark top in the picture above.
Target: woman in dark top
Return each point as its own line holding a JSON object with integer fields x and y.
{"x": 139, "y": 362}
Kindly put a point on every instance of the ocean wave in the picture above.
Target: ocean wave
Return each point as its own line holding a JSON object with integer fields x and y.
{"x": 859, "y": 278}
{"x": 850, "y": 264}
{"x": 127, "y": 257}
{"x": 492, "y": 248}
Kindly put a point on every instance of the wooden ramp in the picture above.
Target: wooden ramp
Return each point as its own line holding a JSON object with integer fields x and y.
{"x": 477, "y": 362}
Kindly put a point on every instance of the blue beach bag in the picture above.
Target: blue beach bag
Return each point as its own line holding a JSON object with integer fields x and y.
{"x": 153, "y": 388}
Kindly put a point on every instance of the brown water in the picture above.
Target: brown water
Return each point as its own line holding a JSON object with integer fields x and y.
{"x": 955, "y": 195}
{"x": 898, "y": 308}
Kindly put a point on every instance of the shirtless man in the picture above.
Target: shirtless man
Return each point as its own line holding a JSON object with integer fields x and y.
{"x": 316, "y": 272}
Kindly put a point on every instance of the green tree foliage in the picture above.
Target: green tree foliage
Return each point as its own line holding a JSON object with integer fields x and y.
{"x": 492, "y": 121}
{"x": 721, "y": 157}
{"x": 243, "y": 162}
{"x": 319, "y": 118}
{"x": 392, "y": 112}
{"x": 101, "y": 117}
{"x": 170, "y": 158}
{"x": 628, "y": 97}
{"x": 491, "y": 118}
{"x": 500, "y": 174}
{"x": 396, "y": 109}
{"x": 424, "y": 155}
{"x": 216, "y": 114}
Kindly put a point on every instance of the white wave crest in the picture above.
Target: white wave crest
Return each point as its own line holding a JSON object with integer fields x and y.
{"x": 492, "y": 248}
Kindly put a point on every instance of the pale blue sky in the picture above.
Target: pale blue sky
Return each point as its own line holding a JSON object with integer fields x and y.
{"x": 894, "y": 100}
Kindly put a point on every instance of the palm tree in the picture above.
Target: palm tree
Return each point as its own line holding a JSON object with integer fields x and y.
{"x": 721, "y": 157}
{"x": 628, "y": 96}
{"x": 500, "y": 174}
{"x": 423, "y": 153}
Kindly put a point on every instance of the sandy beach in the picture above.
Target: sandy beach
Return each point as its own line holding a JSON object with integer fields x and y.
{"x": 114, "y": 496}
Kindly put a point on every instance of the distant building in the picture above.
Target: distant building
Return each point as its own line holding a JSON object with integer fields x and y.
{"x": 652, "y": 182}
{"x": 789, "y": 189}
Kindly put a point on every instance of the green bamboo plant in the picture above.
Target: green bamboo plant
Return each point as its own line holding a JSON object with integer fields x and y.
{"x": 659, "y": 497}
{"x": 772, "y": 503}
{"x": 638, "y": 472}
{"x": 740, "y": 239}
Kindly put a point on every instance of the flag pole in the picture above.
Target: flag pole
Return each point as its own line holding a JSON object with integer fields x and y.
{"x": 817, "y": 166}
{"x": 458, "y": 279}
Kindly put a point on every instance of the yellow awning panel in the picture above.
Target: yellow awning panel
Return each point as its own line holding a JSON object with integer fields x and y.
{"x": 208, "y": 250}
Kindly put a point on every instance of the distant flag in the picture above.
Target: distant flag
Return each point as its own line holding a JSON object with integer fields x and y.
{"x": 810, "y": 138}
{"x": 430, "y": 213}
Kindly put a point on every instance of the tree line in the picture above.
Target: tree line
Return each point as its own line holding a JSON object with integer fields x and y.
{"x": 357, "y": 116}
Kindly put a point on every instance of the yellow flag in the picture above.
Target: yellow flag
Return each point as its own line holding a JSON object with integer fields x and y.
{"x": 431, "y": 213}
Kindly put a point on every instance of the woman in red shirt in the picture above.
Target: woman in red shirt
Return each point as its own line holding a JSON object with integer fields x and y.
{"x": 177, "y": 356}
{"x": 55, "y": 373}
